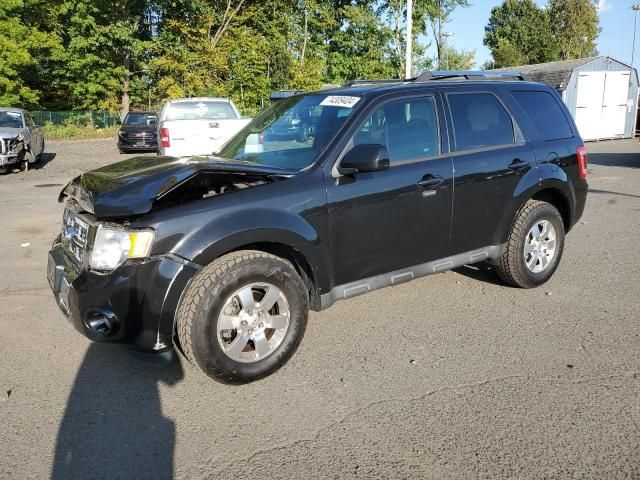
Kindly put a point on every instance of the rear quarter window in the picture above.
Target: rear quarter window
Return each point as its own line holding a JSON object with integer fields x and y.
{"x": 545, "y": 112}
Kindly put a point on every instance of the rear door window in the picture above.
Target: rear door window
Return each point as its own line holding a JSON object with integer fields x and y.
{"x": 546, "y": 114}
{"x": 479, "y": 121}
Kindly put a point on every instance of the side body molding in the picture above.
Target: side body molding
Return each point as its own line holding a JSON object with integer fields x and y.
{"x": 359, "y": 287}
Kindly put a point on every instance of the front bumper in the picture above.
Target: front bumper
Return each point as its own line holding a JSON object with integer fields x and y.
{"x": 138, "y": 299}
{"x": 8, "y": 159}
{"x": 141, "y": 145}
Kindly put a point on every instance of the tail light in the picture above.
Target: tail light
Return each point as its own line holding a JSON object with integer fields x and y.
{"x": 164, "y": 137}
{"x": 582, "y": 162}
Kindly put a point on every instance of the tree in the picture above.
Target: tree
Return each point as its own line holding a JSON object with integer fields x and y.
{"x": 506, "y": 54}
{"x": 438, "y": 13}
{"x": 458, "y": 59}
{"x": 26, "y": 54}
{"x": 361, "y": 48}
{"x": 576, "y": 26}
{"x": 519, "y": 32}
{"x": 395, "y": 14}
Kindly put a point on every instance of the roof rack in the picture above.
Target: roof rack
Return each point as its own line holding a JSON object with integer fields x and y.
{"x": 467, "y": 75}
{"x": 280, "y": 94}
{"x": 443, "y": 75}
{"x": 352, "y": 83}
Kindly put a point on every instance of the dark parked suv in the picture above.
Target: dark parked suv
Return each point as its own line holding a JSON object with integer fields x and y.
{"x": 138, "y": 132}
{"x": 225, "y": 255}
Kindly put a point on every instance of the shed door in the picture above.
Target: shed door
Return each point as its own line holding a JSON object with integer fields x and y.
{"x": 601, "y": 104}
{"x": 614, "y": 107}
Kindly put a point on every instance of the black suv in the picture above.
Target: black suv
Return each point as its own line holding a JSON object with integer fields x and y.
{"x": 138, "y": 132}
{"x": 226, "y": 254}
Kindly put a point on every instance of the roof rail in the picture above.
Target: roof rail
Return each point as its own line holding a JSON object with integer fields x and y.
{"x": 280, "y": 94}
{"x": 467, "y": 75}
{"x": 352, "y": 83}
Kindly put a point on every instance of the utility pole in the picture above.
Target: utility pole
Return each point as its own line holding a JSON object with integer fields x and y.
{"x": 635, "y": 8}
{"x": 408, "y": 58}
{"x": 445, "y": 36}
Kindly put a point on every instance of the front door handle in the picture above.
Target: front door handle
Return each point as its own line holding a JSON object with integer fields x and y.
{"x": 517, "y": 165}
{"x": 430, "y": 181}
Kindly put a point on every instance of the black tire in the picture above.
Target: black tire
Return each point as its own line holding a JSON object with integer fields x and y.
{"x": 511, "y": 266}
{"x": 204, "y": 298}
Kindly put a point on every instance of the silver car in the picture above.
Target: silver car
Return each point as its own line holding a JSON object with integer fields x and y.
{"x": 21, "y": 140}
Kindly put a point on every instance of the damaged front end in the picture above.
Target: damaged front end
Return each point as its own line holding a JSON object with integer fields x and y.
{"x": 12, "y": 150}
{"x": 108, "y": 270}
{"x": 134, "y": 186}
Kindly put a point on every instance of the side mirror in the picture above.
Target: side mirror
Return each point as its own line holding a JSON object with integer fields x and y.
{"x": 366, "y": 157}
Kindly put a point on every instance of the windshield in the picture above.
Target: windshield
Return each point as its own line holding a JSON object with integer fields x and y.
{"x": 200, "y": 110}
{"x": 291, "y": 133}
{"x": 144, "y": 119}
{"x": 11, "y": 120}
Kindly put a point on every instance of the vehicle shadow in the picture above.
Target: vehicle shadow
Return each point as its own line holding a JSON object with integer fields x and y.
{"x": 113, "y": 425}
{"x": 630, "y": 159}
{"x": 45, "y": 158}
{"x": 482, "y": 272}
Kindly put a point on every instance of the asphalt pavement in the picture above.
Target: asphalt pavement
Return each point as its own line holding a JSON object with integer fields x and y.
{"x": 449, "y": 376}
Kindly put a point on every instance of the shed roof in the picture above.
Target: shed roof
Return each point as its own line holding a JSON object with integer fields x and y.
{"x": 555, "y": 74}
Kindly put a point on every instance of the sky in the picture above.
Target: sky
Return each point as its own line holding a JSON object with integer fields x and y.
{"x": 615, "y": 40}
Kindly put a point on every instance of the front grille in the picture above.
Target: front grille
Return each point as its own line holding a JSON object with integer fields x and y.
{"x": 141, "y": 136}
{"x": 75, "y": 234}
{"x": 8, "y": 145}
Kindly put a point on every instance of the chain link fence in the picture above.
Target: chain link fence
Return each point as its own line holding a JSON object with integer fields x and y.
{"x": 77, "y": 118}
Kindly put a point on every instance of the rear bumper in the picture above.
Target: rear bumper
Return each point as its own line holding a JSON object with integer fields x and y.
{"x": 138, "y": 301}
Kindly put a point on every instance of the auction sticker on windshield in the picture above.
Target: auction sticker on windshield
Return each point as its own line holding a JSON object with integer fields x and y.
{"x": 340, "y": 101}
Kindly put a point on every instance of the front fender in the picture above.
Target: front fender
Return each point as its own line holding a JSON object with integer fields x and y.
{"x": 251, "y": 226}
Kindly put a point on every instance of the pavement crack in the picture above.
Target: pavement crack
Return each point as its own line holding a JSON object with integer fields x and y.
{"x": 463, "y": 386}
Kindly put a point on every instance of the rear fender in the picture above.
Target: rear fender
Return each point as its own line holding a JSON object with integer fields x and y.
{"x": 526, "y": 190}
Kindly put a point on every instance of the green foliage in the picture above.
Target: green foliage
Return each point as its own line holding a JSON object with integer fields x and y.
{"x": 576, "y": 25}
{"x": 458, "y": 59}
{"x": 520, "y": 33}
{"x": 64, "y": 132}
{"x": 437, "y": 13}
{"x": 21, "y": 49}
{"x": 109, "y": 54}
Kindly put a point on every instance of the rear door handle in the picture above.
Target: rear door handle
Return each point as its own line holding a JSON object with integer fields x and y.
{"x": 430, "y": 181}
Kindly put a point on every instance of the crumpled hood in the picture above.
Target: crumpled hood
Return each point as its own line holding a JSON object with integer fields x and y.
{"x": 6, "y": 132}
{"x": 130, "y": 187}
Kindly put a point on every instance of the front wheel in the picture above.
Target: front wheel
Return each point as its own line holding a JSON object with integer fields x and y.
{"x": 242, "y": 316}
{"x": 534, "y": 247}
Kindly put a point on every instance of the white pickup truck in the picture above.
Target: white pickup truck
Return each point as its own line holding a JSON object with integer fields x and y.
{"x": 197, "y": 126}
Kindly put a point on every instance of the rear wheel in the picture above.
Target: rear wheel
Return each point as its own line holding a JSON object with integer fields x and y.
{"x": 243, "y": 316}
{"x": 534, "y": 247}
